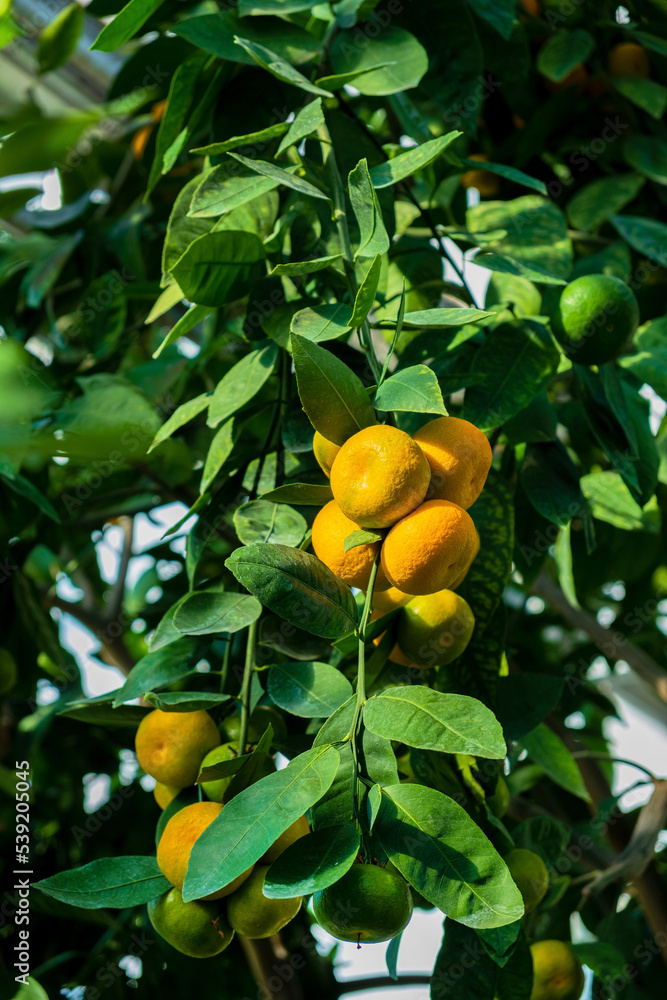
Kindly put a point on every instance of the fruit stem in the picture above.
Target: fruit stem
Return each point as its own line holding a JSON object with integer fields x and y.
{"x": 340, "y": 218}
{"x": 245, "y": 687}
{"x": 357, "y": 723}
{"x": 224, "y": 673}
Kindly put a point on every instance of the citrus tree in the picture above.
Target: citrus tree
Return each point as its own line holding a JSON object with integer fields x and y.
{"x": 404, "y": 497}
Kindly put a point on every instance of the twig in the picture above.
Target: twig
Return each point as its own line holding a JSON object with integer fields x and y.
{"x": 384, "y": 982}
{"x": 118, "y": 589}
{"x": 245, "y": 687}
{"x": 613, "y": 645}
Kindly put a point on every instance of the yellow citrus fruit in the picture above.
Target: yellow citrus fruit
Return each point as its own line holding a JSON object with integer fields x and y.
{"x": 486, "y": 183}
{"x": 197, "y": 929}
{"x": 596, "y": 315}
{"x": 531, "y": 7}
{"x": 557, "y": 972}
{"x": 253, "y": 915}
{"x": 388, "y": 600}
{"x": 459, "y": 455}
{"x": 293, "y": 833}
{"x": 177, "y": 841}
{"x": 368, "y": 903}
{"x": 8, "y": 671}
{"x": 215, "y": 790}
{"x": 379, "y": 475}
{"x": 499, "y": 802}
{"x": 325, "y": 451}
{"x": 164, "y": 794}
{"x": 530, "y": 874}
{"x": 330, "y": 529}
{"x": 429, "y": 549}
{"x": 464, "y": 572}
{"x": 434, "y": 629}
{"x": 170, "y": 746}
{"x": 628, "y": 59}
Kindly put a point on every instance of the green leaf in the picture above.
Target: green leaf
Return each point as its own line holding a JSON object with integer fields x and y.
{"x": 333, "y": 397}
{"x": 408, "y": 163}
{"x": 365, "y": 297}
{"x": 19, "y": 484}
{"x": 302, "y": 494}
{"x": 313, "y": 862}
{"x": 324, "y": 322}
{"x": 610, "y": 500}
{"x": 650, "y": 363}
{"x": 241, "y": 383}
{"x": 485, "y": 582}
{"x": 283, "y": 177}
{"x": 646, "y": 94}
{"x": 648, "y": 41}
{"x": 307, "y": 121}
{"x": 648, "y": 155}
{"x": 598, "y": 201}
{"x": 247, "y": 8}
{"x": 336, "y": 81}
{"x": 220, "y": 267}
{"x": 264, "y": 521}
{"x": 160, "y": 668}
{"x": 296, "y": 586}
{"x": 100, "y": 712}
{"x": 125, "y": 24}
{"x": 184, "y": 84}
{"x": 221, "y": 191}
{"x": 442, "y": 318}
{"x": 185, "y": 324}
{"x": 443, "y": 853}
{"x": 476, "y": 979}
{"x": 517, "y": 361}
{"x": 113, "y": 882}
{"x": 215, "y": 33}
{"x": 219, "y": 451}
{"x": 565, "y": 50}
{"x": 524, "y": 699}
{"x": 373, "y": 238}
{"x": 550, "y": 753}
{"x": 413, "y": 389}
{"x": 647, "y": 236}
{"x": 278, "y": 67}
{"x": 361, "y": 537}
{"x": 498, "y": 13}
{"x": 535, "y": 235}
{"x": 255, "y": 818}
{"x": 306, "y": 266}
{"x": 250, "y": 139}
{"x": 181, "y": 415}
{"x": 510, "y": 174}
{"x": 309, "y": 690}
{"x": 551, "y": 481}
{"x": 210, "y": 611}
{"x": 41, "y": 145}
{"x": 224, "y": 768}
{"x": 185, "y": 701}
{"x": 405, "y": 59}
{"x": 431, "y": 720}
{"x": 59, "y": 38}
{"x": 505, "y": 265}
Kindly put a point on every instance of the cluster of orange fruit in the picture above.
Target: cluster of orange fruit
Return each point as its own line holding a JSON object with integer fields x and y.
{"x": 415, "y": 491}
{"x": 172, "y": 747}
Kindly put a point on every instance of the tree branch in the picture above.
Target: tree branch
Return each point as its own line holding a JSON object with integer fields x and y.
{"x": 262, "y": 958}
{"x": 114, "y": 650}
{"x": 118, "y": 589}
{"x": 611, "y": 643}
{"x": 384, "y": 982}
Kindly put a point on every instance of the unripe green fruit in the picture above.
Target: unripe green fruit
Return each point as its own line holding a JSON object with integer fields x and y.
{"x": 368, "y": 903}
{"x": 530, "y": 874}
{"x": 252, "y": 914}
{"x": 595, "y": 316}
{"x": 197, "y": 929}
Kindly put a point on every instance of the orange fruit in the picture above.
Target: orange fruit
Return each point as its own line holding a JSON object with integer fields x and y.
{"x": 330, "y": 529}
{"x": 293, "y": 833}
{"x": 378, "y": 476}
{"x": 170, "y": 746}
{"x": 429, "y": 549}
{"x": 434, "y": 629}
{"x": 459, "y": 456}
{"x": 628, "y": 59}
{"x": 177, "y": 841}
{"x": 484, "y": 181}
{"x": 325, "y": 451}
{"x": 455, "y": 584}
{"x": 164, "y": 794}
